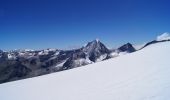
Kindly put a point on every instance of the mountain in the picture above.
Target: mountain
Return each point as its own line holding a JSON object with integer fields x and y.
{"x": 21, "y": 64}
{"x": 127, "y": 48}
{"x": 33, "y": 63}
{"x": 142, "y": 75}
{"x": 94, "y": 51}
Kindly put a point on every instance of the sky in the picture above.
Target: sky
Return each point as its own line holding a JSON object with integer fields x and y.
{"x": 63, "y": 24}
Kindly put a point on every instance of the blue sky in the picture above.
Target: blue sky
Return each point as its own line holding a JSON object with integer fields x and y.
{"x": 38, "y": 24}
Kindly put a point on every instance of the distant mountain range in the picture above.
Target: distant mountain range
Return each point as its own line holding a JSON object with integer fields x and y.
{"x": 21, "y": 64}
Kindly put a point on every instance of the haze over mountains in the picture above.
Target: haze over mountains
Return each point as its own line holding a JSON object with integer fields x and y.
{"x": 21, "y": 64}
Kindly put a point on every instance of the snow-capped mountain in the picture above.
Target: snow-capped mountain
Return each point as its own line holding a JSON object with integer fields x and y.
{"x": 21, "y": 64}
{"x": 95, "y": 49}
{"x": 142, "y": 75}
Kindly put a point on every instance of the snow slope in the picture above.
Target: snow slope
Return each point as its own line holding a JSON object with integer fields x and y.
{"x": 143, "y": 75}
{"x": 164, "y": 36}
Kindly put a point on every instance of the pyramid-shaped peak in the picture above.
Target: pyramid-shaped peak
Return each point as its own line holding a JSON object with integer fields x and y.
{"x": 95, "y": 49}
{"x": 97, "y": 40}
{"x": 128, "y": 44}
{"x": 95, "y": 45}
{"x": 128, "y": 47}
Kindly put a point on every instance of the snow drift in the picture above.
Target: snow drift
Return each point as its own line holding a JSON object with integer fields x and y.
{"x": 143, "y": 75}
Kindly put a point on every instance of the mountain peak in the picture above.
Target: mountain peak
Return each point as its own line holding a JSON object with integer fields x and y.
{"x": 128, "y": 44}
{"x": 95, "y": 44}
{"x": 97, "y": 40}
{"x": 95, "y": 49}
{"x": 128, "y": 47}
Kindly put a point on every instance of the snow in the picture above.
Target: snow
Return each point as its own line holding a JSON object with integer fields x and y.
{"x": 11, "y": 56}
{"x": 82, "y": 61}
{"x": 164, "y": 36}
{"x": 50, "y": 49}
{"x": 88, "y": 60}
{"x": 97, "y": 40}
{"x": 142, "y": 75}
{"x": 139, "y": 46}
{"x": 21, "y": 53}
{"x": 44, "y": 52}
{"x": 61, "y": 64}
{"x": 102, "y": 57}
{"x": 28, "y": 50}
{"x": 26, "y": 54}
{"x": 55, "y": 56}
{"x": 123, "y": 53}
{"x": 117, "y": 54}
{"x": 114, "y": 54}
{"x": 57, "y": 53}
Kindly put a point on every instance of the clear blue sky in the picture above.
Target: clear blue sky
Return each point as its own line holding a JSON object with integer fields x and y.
{"x": 39, "y": 24}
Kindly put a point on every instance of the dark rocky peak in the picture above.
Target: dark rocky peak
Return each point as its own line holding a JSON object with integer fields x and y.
{"x": 127, "y": 48}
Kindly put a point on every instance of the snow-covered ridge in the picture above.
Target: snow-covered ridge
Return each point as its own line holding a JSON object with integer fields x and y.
{"x": 143, "y": 75}
{"x": 160, "y": 38}
{"x": 164, "y": 36}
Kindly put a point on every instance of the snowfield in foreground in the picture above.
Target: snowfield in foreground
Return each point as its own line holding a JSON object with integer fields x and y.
{"x": 143, "y": 75}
